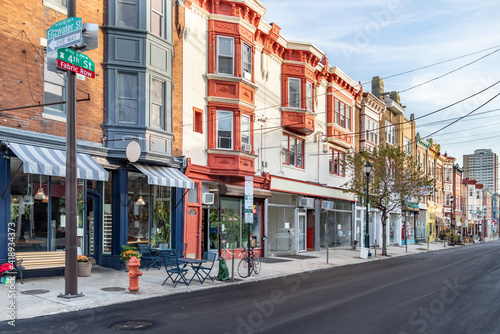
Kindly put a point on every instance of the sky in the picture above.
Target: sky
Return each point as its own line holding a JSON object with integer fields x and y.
{"x": 367, "y": 38}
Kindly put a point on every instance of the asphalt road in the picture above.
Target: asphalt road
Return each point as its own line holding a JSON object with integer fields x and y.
{"x": 450, "y": 291}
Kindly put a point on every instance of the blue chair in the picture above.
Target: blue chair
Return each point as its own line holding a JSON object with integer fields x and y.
{"x": 172, "y": 267}
{"x": 148, "y": 256}
{"x": 204, "y": 270}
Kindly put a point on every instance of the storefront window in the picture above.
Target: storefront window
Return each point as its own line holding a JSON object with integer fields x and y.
{"x": 37, "y": 228}
{"x": 161, "y": 227}
{"x": 107, "y": 219}
{"x": 138, "y": 209}
{"x": 335, "y": 229}
{"x": 282, "y": 237}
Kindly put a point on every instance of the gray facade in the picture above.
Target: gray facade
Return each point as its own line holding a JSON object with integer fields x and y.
{"x": 138, "y": 72}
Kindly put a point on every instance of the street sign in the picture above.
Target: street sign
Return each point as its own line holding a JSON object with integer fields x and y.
{"x": 248, "y": 199}
{"x": 64, "y": 33}
{"x": 74, "y": 61}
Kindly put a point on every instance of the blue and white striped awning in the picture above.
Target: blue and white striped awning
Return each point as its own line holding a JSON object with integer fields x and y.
{"x": 47, "y": 161}
{"x": 165, "y": 176}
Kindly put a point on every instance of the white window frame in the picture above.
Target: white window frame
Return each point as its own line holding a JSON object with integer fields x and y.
{"x": 161, "y": 16}
{"x": 246, "y": 61}
{"x": 58, "y": 110}
{"x": 231, "y": 55}
{"x": 407, "y": 145}
{"x": 223, "y": 114}
{"x": 309, "y": 97}
{"x": 245, "y": 128}
{"x": 390, "y": 133}
{"x": 296, "y": 102}
{"x": 160, "y": 104}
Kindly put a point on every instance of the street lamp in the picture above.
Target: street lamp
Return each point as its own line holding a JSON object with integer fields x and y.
{"x": 451, "y": 221}
{"x": 367, "y": 169}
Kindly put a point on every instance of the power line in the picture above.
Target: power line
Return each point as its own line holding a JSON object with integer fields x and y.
{"x": 450, "y": 72}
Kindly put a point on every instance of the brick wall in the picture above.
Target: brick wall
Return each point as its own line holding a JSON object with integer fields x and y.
{"x": 177, "y": 73}
{"x": 21, "y": 69}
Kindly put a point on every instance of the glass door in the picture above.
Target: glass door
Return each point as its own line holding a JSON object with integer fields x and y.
{"x": 301, "y": 232}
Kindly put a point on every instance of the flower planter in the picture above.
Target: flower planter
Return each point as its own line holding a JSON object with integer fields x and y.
{"x": 83, "y": 269}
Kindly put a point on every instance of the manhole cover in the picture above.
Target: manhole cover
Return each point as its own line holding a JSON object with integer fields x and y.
{"x": 113, "y": 289}
{"x": 34, "y": 292}
{"x": 131, "y": 325}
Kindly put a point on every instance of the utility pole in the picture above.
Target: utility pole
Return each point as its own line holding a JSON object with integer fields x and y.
{"x": 70, "y": 273}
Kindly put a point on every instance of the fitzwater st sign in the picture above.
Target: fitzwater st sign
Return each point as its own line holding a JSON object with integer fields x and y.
{"x": 71, "y": 60}
{"x": 64, "y": 33}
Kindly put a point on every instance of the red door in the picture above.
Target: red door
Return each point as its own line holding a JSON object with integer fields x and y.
{"x": 193, "y": 232}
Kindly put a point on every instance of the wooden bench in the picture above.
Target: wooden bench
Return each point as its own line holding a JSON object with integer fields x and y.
{"x": 39, "y": 260}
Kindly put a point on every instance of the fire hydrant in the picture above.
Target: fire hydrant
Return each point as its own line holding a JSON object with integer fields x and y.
{"x": 134, "y": 274}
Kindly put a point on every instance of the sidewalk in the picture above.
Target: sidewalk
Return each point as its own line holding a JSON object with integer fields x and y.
{"x": 31, "y": 303}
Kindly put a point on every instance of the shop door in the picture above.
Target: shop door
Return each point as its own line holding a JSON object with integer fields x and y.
{"x": 193, "y": 232}
{"x": 93, "y": 221}
{"x": 301, "y": 232}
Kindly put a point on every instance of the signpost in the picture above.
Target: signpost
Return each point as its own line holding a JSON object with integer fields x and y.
{"x": 74, "y": 61}
{"x": 64, "y": 33}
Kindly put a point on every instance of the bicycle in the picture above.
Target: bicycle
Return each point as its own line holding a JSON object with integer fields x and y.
{"x": 252, "y": 259}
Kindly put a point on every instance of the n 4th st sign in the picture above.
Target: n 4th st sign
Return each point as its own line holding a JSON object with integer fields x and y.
{"x": 71, "y": 60}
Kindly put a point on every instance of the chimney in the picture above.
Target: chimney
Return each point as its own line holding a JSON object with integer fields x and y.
{"x": 395, "y": 97}
{"x": 377, "y": 87}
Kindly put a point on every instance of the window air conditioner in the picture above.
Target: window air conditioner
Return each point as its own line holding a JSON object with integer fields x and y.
{"x": 246, "y": 147}
{"x": 207, "y": 198}
{"x": 306, "y": 202}
{"x": 325, "y": 205}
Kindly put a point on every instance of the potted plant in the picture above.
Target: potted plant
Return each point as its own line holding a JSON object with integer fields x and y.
{"x": 84, "y": 266}
{"x": 127, "y": 253}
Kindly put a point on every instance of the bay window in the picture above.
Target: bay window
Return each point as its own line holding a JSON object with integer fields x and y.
{"x": 245, "y": 133}
{"x": 224, "y": 129}
{"x": 309, "y": 99}
{"x": 127, "y": 98}
{"x": 225, "y": 55}
{"x": 157, "y": 15}
{"x": 293, "y": 93}
{"x": 157, "y": 104}
{"x": 246, "y": 61}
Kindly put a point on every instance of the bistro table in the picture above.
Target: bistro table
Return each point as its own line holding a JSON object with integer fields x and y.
{"x": 195, "y": 264}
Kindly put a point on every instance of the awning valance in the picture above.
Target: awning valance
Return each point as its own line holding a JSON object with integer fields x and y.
{"x": 165, "y": 176}
{"x": 47, "y": 161}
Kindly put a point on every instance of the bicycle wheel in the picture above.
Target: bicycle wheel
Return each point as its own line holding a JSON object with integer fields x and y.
{"x": 256, "y": 263}
{"x": 243, "y": 267}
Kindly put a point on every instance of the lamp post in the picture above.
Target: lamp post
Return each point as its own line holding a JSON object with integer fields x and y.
{"x": 367, "y": 169}
{"x": 451, "y": 221}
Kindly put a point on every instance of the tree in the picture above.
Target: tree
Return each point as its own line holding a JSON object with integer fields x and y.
{"x": 395, "y": 179}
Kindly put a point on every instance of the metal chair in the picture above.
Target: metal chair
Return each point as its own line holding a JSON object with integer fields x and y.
{"x": 204, "y": 271}
{"x": 147, "y": 255}
{"x": 172, "y": 267}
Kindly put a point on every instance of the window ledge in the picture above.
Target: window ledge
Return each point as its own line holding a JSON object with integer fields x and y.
{"x": 55, "y": 7}
{"x": 231, "y": 78}
{"x": 53, "y": 117}
{"x": 298, "y": 110}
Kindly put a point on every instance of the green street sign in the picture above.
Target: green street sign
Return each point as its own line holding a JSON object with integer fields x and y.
{"x": 64, "y": 33}
{"x": 74, "y": 61}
